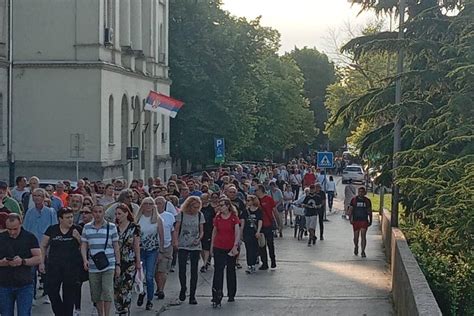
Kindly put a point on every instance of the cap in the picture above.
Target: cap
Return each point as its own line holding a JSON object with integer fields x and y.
{"x": 3, "y": 185}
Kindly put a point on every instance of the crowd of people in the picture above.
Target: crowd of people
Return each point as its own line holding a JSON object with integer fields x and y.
{"x": 124, "y": 237}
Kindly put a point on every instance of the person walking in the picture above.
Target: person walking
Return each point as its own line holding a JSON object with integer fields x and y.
{"x": 321, "y": 212}
{"x": 296, "y": 181}
{"x": 101, "y": 257}
{"x": 190, "y": 230}
{"x": 19, "y": 189}
{"x": 37, "y": 220}
{"x": 151, "y": 227}
{"x": 165, "y": 257}
{"x": 108, "y": 198}
{"x": 277, "y": 197}
{"x": 349, "y": 192}
{"x": 19, "y": 253}
{"x": 309, "y": 177}
{"x": 288, "y": 197}
{"x": 312, "y": 204}
{"x": 360, "y": 215}
{"x": 7, "y": 204}
{"x": 125, "y": 197}
{"x": 225, "y": 248}
{"x": 251, "y": 224}
{"x": 269, "y": 213}
{"x": 209, "y": 212}
{"x": 129, "y": 244}
{"x": 331, "y": 192}
{"x": 61, "y": 243}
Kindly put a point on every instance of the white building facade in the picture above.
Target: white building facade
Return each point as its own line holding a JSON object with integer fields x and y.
{"x": 82, "y": 70}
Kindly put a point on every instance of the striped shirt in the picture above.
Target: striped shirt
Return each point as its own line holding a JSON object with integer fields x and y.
{"x": 95, "y": 238}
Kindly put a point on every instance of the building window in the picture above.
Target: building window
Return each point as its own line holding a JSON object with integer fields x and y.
{"x": 111, "y": 120}
{"x": 108, "y": 13}
{"x": 162, "y": 45}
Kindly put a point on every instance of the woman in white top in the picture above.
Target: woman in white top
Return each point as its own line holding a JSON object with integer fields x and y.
{"x": 288, "y": 197}
{"x": 331, "y": 192}
{"x": 152, "y": 234}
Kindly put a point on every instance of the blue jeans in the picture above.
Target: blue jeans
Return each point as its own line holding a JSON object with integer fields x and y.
{"x": 23, "y": 296}
{"x": 149, "y": 258}
{"x": 330, "y": 199}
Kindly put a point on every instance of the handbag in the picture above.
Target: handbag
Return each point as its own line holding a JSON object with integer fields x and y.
{"x": 100, "y": 259}
{"x": 139, "y": 278}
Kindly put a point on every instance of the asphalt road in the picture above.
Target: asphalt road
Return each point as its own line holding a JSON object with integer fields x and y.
{"x": 327, "y": 279}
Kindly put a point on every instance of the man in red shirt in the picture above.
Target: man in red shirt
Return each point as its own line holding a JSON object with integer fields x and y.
{"x": 270, "y": 213}
{"x": 309, "y": 178}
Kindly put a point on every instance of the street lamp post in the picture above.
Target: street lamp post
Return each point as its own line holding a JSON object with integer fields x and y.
{"x": 10, "y": 156}
{"x": 397, "y": 127}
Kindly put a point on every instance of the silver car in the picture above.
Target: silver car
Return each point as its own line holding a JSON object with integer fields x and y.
{"x": 354, "y": 173}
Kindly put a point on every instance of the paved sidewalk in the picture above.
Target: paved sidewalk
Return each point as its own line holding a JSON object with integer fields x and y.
{"x": 326, "y": 279}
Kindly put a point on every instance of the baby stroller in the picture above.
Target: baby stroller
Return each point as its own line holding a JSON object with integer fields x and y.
{"x": 300, "y": 222}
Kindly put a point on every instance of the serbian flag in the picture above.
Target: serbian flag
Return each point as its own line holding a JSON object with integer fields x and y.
{"x": 158, "y": 102}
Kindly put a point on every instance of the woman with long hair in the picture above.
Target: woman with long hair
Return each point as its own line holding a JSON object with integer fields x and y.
{"x": 173, "y": 188}
{"x": 251, "y": 221}
{"x": 225, "y": 248}
{"x": 129, "y": 243}
{"x": 152, "y": 234}
{"x": 189, "y": 231}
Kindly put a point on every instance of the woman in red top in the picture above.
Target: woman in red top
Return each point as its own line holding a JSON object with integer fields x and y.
{"x": 224, "y": 246}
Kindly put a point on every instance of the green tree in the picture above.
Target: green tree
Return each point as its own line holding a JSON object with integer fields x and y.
{"x": 355, "y": 79}
{"x": 318, "y": 73}
{"x": 234, "y": 85}
{"x": 284, "y": 118}
{"x": 437, "y": 158}
{"x": 212, "y": 60}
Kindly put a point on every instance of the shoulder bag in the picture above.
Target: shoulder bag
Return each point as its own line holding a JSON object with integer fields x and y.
{"x": 100, "y": 259}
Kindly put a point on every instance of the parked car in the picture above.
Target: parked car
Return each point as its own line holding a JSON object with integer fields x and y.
{"x": 354, "y": 173}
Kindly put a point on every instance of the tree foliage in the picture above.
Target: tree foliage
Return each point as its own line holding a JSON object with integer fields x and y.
{"x": 363, "y": 74}
{"x": 318, "y": 74}
{"x": 437, "y": 158}
{"x": 234, "y": 85}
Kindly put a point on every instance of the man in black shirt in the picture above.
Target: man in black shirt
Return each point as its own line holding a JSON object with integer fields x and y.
{"x": 61, "y": 242}
{"x": 19, "y": 251}
{"x": 313, "y": 204}
{"x": 360, "y": 215}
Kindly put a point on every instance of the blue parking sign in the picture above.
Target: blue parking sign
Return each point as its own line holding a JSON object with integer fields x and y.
{"x": 325, "y": 159}
{"x": 219, "y": 148}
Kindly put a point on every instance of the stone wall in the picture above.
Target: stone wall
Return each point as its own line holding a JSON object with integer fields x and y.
{"x": 410, "y": 290}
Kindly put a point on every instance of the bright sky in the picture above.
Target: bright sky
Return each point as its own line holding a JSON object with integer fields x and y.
{"x": 312, "y": 23}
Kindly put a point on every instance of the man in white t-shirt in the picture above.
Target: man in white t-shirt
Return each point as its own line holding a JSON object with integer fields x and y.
{"x": 166, "y": 257}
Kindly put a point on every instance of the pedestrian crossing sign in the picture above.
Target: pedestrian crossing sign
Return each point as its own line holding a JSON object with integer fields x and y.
{"x": 325, "y": 159}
